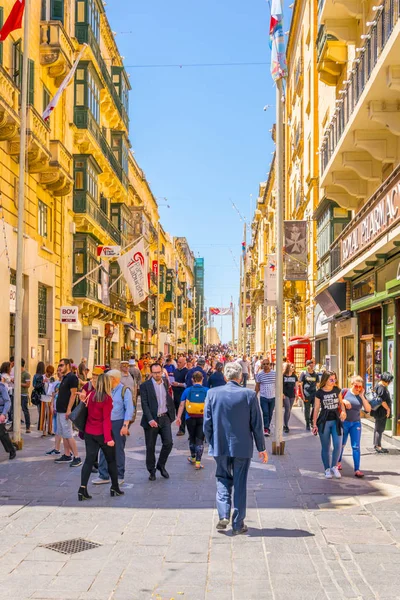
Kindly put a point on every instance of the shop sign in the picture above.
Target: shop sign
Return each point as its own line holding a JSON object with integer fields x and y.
{"x": 383, "y": 212}
{"x": 95, "y": 332}
{"x": 346, "y": 328}
{"x": 69, "y": 314}
{"x": 363, "y": 288}
{"x": 108, "y": 251}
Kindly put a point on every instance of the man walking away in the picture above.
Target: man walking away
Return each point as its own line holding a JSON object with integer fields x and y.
{"x": 178, "y": 387}
{"x": 65, "y": 402}
{"x": 25, "y": 384}
{"x": 158, "y": 414}
{"x": 193, "y": 399}
{"x": 265, "y": 384}
{"x": 308, "y": 388}
{"x": 121, "y": 414}
{"x": 244, "y": 363}
{"x": 232, "y": 419}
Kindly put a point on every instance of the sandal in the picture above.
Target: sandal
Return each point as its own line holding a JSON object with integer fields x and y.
{"x": 358, "y": 474}
{"x": 191, "y": 460}
{"x": 199, "y": 466}
{"x": 339, "y": 466}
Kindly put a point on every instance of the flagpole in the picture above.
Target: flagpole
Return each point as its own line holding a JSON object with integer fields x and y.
{"x": 278, "y": 446}
{"x": 244, "y": 313}
{"x": 158, "y": 287}
{"x": 20, "y": 236}
{"x": 240, "y": 325}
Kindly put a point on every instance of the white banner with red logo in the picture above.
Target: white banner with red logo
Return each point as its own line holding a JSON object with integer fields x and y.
{"x": 221, "y": 312}
{"x": 135, "y": 270}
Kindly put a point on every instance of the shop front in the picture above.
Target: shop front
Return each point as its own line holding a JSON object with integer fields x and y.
{"x": 346, "y": 342}
{"x": 370, "y": 264}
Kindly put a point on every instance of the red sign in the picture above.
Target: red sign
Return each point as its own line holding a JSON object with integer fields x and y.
{"x": 154, "y": 267}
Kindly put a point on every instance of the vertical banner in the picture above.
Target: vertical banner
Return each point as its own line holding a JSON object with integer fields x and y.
{"x": 105, "y": 282}
{"x": 154, "y": 267}
{"x": 169, "y": 286}
{"x": 270, "y": 281}
{"x": 134, "y": 268}
{"x": 295, "y": 234}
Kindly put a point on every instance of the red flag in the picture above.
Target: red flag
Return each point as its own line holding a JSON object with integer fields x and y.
{"x": 14, "y": 20}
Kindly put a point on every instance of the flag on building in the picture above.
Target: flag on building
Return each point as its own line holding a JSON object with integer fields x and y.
{"x": 134, "y": 268}
{"x": 54, "y": 101}
{"x": 277, "y": 42}
{"x": 220, "y": 312}
{"x": 14, "y": 20}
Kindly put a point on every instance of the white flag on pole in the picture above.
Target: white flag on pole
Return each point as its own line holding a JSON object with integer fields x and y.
{"x": 135, "y": 270}
{"x": 53, "y": 102}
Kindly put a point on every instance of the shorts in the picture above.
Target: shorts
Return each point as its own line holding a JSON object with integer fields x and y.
{"x": 64, "y": 426}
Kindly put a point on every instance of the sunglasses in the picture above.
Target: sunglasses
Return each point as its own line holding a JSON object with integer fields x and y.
{"x": 357, "y": 385}
{"x": 332, "y": 379}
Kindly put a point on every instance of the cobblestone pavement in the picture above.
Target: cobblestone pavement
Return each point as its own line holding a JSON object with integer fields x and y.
{"x": 308, "y": 537}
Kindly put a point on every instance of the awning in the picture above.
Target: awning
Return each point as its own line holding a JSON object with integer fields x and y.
{"x": 333, "y": 299}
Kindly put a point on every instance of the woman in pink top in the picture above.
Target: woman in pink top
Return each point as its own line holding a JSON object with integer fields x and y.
{"x": 98, "y": 435}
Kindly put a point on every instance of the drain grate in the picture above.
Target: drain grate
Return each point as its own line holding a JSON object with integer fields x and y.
{"x": 71, "y": 546}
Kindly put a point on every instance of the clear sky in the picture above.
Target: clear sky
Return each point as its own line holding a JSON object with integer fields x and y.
{"x": 200, "y": 133}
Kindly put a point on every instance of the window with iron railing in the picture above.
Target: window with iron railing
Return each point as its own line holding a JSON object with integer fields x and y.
{"x": 42, "y": 310}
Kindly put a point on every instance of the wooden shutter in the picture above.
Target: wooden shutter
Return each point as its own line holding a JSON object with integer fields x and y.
{"x": 57, "y": 10}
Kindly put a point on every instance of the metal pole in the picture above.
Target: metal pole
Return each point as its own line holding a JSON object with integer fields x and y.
{"x": 278, "y": 445}
{"x": 194, "y": 317}
{"x": 233, "y": 327}
{"x": 20, "y": 237}
{"x": 158, "y": 288}
{"x": 187, "y": 322}
{"x": 176, "y": 316}
{"x": 244, "y": 313}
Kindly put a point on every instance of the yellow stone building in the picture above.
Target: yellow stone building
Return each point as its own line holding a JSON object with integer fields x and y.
{"x": 83, "y": 189}
{"x": 358, "y": 50}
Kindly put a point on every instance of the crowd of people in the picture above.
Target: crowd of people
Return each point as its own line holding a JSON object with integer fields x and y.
{"x": 207, "y": 396}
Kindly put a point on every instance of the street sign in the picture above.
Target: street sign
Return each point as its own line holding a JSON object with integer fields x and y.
{"x": 69, "y": 314}
{"x": 108, "y": 251}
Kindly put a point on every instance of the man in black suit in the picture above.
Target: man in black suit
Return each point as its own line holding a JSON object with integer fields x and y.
{"x": 158, "y": 414}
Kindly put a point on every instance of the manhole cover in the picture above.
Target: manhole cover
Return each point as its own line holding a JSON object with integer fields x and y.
{"x": 71, "y": 546}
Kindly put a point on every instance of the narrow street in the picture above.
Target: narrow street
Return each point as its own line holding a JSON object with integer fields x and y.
{"x": 308, "y": 538}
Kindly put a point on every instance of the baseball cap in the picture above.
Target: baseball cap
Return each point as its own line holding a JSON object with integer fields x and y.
{"x": 124, "y": 362}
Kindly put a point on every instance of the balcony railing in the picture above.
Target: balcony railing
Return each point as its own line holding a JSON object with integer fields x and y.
{"x": 117, "y": 302}
{"x": 84, "y": 204}
{"x": 83, "y": 119}
{"x": 85, "y": 35}
{"x": 335, "y": 258}
{"x": 386, "y": 19}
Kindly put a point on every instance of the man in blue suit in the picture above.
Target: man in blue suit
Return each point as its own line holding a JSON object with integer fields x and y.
{"x": 232, "y": 419}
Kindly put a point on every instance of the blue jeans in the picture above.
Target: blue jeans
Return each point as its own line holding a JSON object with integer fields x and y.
{"x": 352, "y": 428}
{"x": 267, "y": 407}
{"x": 330, "y": 431}
{"x": 232, "y": 473}
{"x": 120, "y": 441}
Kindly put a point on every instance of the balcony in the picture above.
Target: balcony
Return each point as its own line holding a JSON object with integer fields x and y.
{"x": 9, "y": 118}
{"x": 57, "y": 52}
{"x": 331, "y": 57}
{"x": 58, "y": 178}
{"x": 38, "y": 143}
{"x": 85, "y": 35}
{"x": 117, "y": 302}
{"x": 97, "y": 145}
{"x": 90, "y": 218}
{"x": 362, "y": 134}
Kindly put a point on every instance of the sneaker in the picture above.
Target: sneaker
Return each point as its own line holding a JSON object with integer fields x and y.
{"x": 63, "y": 459}
{"x": 28, "y": 431}
{"x": 199, "y": 466}
{"x": 99, "y": 481}
{"x": 222, "y": 524}
{"x": 336, "y": 473}
{"x": 308, "y": 427}
{"x": 339, "y": 466}
{"x": 266, "y": 432}
{"x": 286, "y": 429}
{"x": 180, "y": 433}
{"x": 328, "y": 474}
{"x": 76, "y": 462}
{"x": 243, "y": 529}
{"x": 359, "y": 474}
{"x": 53, "y": 451}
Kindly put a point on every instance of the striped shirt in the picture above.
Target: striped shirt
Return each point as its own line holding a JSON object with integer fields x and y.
{"x": 267, "y": 383}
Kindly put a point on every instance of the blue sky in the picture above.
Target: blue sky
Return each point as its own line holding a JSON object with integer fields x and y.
{"x": 200, "y": 134}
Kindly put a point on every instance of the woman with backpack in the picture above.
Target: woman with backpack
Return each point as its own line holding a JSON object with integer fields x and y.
{"x": 329, "y": 413}
{"x": 290, "y": 384}
{"x": 382, "y": 412}
{"x": 38, "y": 387}
{"x": 354, "y": 400}
{"x": 45, "y": 423}
{"x": 193, "y": 399}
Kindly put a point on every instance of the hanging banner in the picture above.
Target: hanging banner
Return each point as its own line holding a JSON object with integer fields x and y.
{"x": 169, "y": 286}
{"x": 295, "y": 235}
{"x": 220, "y": 312}
{"x": 105, "y": 282}
{"x": 108, "y": 251}
{"x": 154, "y": 267}
{"x": 134, "y": 268}
{"x": 270, "y": 281}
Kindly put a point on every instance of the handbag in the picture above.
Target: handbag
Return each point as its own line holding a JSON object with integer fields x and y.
{"x": 374, "y": 400}
{"x": 79, "y": 416}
